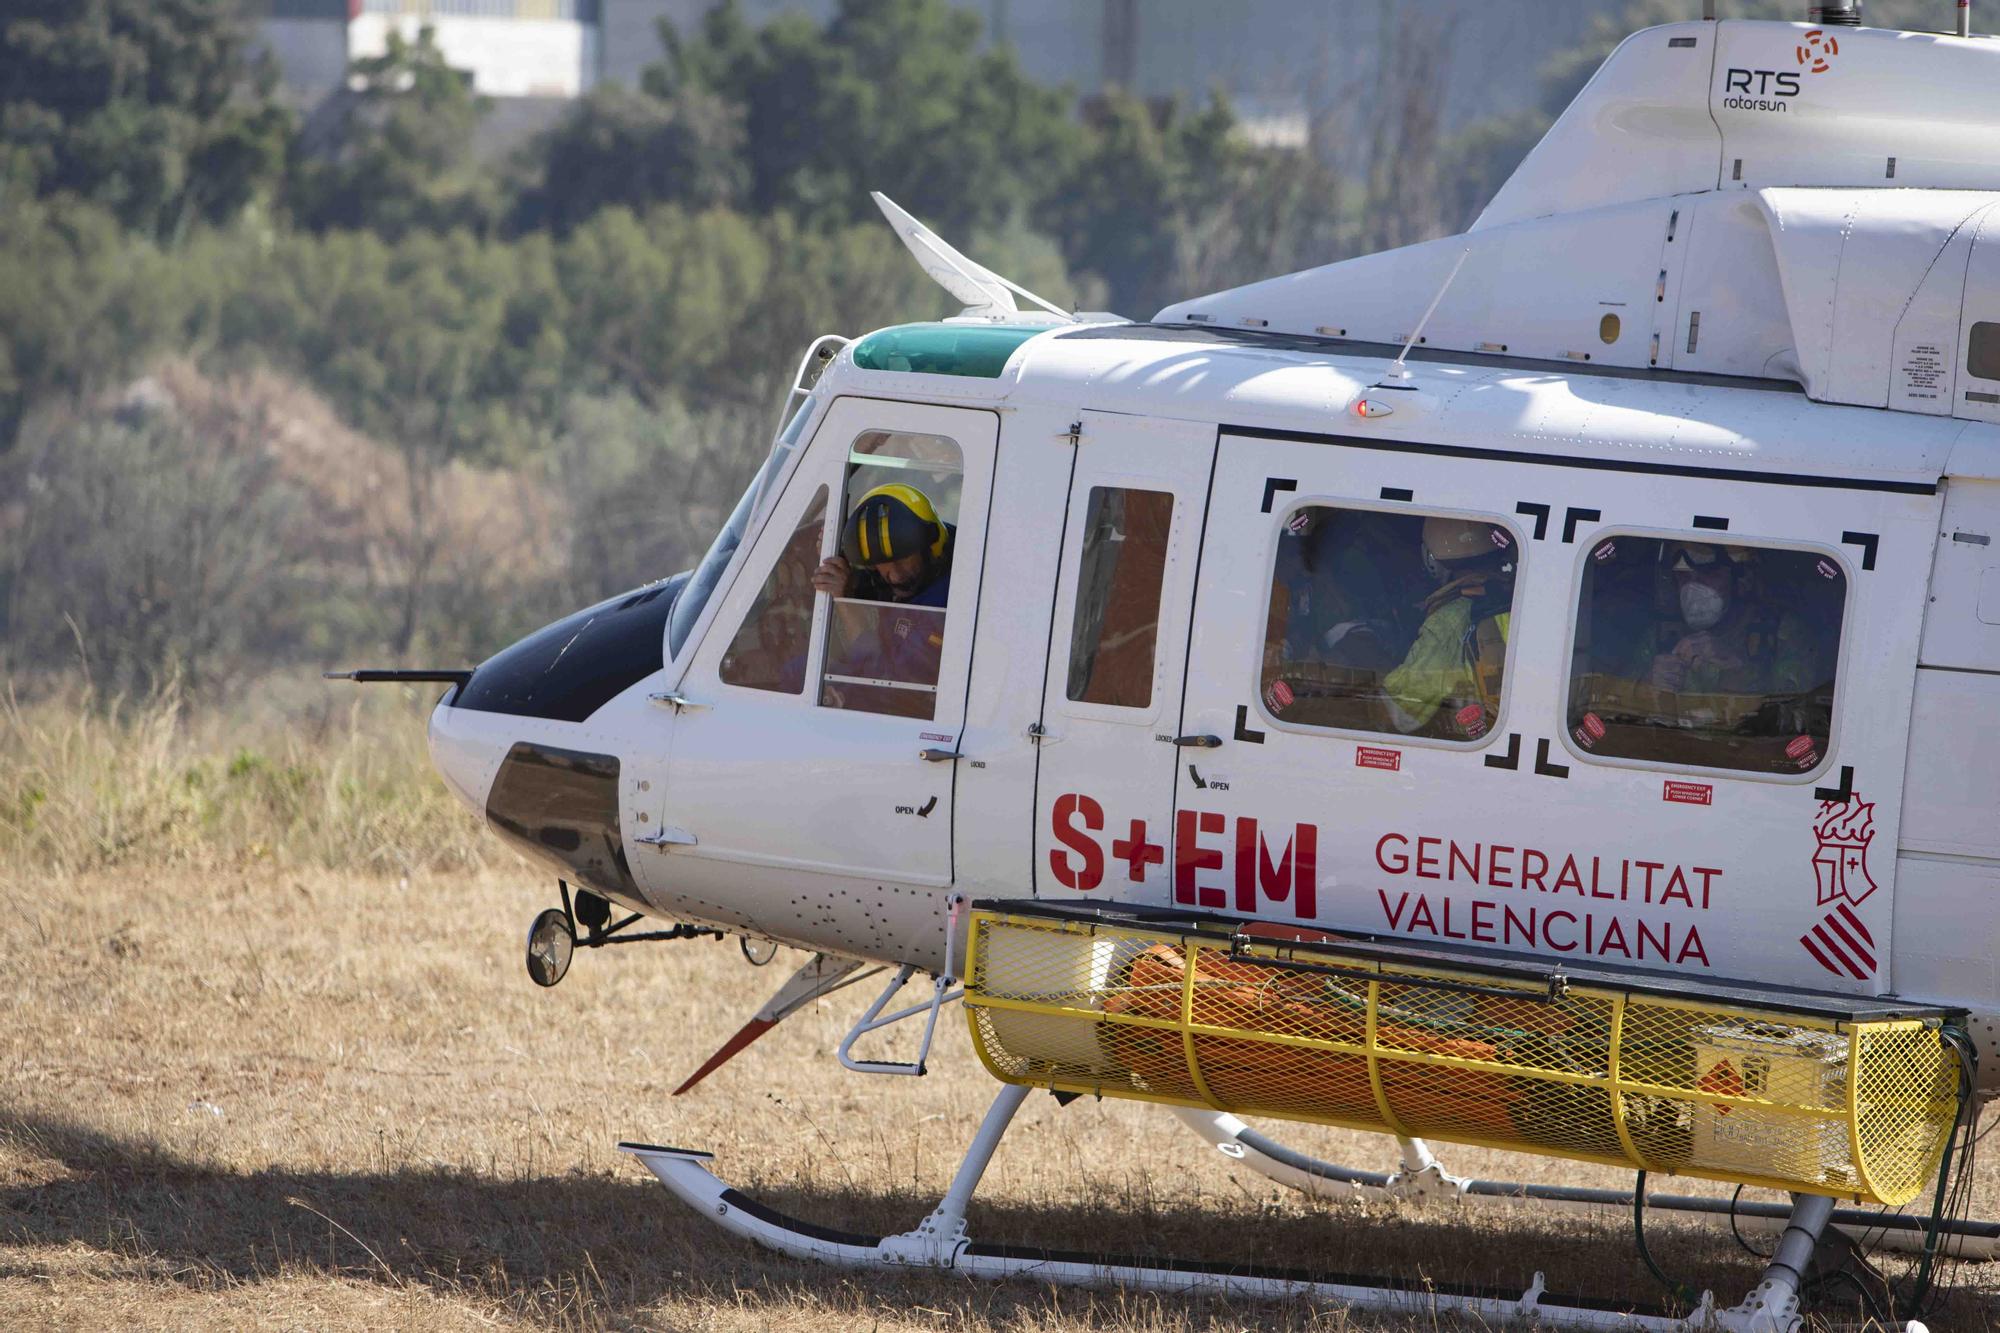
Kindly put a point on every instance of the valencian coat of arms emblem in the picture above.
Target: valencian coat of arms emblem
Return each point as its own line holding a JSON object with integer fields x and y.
{"x": 1841, "y": 942}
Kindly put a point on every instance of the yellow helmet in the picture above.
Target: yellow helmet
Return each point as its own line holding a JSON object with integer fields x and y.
{"x": 889, "y": 523}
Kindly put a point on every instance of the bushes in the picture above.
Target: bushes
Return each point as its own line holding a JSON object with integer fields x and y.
{"x": 144, "y": 542}
{"x": 206, "y": 530}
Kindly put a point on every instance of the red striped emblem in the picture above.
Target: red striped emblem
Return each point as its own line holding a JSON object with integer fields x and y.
{"x": 1842, "y": 944}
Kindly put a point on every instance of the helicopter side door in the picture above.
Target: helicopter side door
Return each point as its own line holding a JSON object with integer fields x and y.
{"x": 1539, "y": 740}
{"x": 1117, "y": 658}
{"x": 809, "y": 793}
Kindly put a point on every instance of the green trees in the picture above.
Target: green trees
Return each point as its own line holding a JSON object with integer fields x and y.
{"x": 626, "y": 149}
{"x": 1164, "y": 201}
{"x": 403, "y": 160}
{"x": 149, "y": 108}
{"x": 1143, "y": 202}
{"x": 549, "y": 376}
{"x": 893, "y": 95}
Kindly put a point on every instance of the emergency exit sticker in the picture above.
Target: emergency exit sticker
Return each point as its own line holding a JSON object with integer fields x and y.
{"x": 1369, "y": 756}
{"x": 1689, "y": 793}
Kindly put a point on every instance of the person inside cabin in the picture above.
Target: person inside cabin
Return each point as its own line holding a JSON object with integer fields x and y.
{"x": 1338, "y": 595}
{"x": 893, "y": 549}
{"x": 1728, "y": 637}
{"x": 896, "y": 551}
{"x": 1448, "y": 683}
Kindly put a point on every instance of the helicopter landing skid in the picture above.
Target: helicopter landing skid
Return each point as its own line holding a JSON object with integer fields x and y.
{"x": 1422, "y": 1179}
{"x": 941, "y": 1243}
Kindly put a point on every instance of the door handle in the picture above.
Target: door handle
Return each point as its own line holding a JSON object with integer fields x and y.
{"x": 1197, "y": 742}
{"x": 675, "y": 700}
{"x": 938, "y": 756}
{"x": 668, "y": 837}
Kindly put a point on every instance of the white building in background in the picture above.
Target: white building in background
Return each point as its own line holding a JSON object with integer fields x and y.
{"x": 511, "y": 48}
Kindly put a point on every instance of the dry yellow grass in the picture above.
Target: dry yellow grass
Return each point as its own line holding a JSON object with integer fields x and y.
{"x": 245, "y": 1087}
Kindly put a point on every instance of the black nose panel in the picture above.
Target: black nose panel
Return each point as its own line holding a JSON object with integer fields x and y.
{"x": 568, "y": 670}
{"x": 562, "y": 806}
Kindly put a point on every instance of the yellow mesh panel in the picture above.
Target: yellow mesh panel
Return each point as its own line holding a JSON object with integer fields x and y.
{"x": 1793, "y": 1102}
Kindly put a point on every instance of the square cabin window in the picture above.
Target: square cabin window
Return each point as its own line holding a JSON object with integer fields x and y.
{"x": 882, "y": 653}
{"x": 1700, "y": 654}
{"x": 1119, "y": 575}
{"x": 1982, "y": 351}
{"x": 1392, "y": 623}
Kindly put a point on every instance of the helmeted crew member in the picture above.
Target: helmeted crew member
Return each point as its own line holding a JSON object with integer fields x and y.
{"x": 1729, "y": 640}
{"x": 893, "y": 549}
{"x": 896, "y": 551}
{"x": 1461, "y": 649}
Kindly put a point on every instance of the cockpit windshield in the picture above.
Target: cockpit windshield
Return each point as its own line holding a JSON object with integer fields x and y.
{"x": 709, "y": 572}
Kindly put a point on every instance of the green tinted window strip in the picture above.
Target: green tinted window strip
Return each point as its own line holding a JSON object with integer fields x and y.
{"x": 976, "y": 351}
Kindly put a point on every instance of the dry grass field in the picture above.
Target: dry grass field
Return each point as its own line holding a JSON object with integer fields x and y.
{"x": 272, "y": 1060}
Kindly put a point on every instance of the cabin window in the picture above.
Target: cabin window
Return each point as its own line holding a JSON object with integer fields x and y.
{"x": 1122, "y": 567}
{"x": 1982, "y": 352}
{"x": 1705, "y": 654}
{"x": 886, "y": 634}
{"x": 1389, "y": 622}
{"x": 769, "y": 650}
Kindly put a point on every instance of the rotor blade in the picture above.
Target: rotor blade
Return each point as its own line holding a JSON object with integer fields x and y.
{"x": 983, "y": 291}
{"x": 821, "y": 975}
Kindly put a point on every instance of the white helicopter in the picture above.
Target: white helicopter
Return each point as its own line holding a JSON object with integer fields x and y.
{"x": 1533, "y": 688}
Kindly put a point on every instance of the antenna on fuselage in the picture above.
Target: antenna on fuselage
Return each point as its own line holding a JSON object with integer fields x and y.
{"x": 1397, "y": 370}
{"x": 986, "y": 294}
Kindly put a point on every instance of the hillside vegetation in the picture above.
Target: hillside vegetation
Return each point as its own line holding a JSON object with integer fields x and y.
{"x": 273, "y": 400}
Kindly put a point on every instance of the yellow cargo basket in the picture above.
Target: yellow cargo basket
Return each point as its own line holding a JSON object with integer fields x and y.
{"x": 1850, "y": 1097}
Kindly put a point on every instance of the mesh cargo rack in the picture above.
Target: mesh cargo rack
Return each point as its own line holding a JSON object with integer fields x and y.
{"x": 1829, "y": 1094}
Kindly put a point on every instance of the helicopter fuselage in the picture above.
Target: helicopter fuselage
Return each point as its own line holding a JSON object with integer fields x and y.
{"x": 1132, "y": 695}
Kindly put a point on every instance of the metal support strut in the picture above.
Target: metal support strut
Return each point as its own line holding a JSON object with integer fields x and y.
{"x": 937, "y": 1240}
{"x": 1773, "y": 1304}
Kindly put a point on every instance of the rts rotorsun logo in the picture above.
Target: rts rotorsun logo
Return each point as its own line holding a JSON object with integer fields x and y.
{"x": 1773, "y": 89}
{"x": 1817, "y": 51}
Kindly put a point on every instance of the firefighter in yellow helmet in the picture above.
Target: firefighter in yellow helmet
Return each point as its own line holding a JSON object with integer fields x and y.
{"x": 894, "y": 548}
{"x": 895, "y": 552}
{"x": 1449, "y": 682}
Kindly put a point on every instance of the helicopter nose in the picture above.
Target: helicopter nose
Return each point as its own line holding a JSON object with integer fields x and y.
{"x": 561, "y": 673}
{"x": 467, "y": 748}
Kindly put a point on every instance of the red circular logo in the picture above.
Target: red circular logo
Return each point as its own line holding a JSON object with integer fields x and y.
{"x": 1816, "y": 53}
